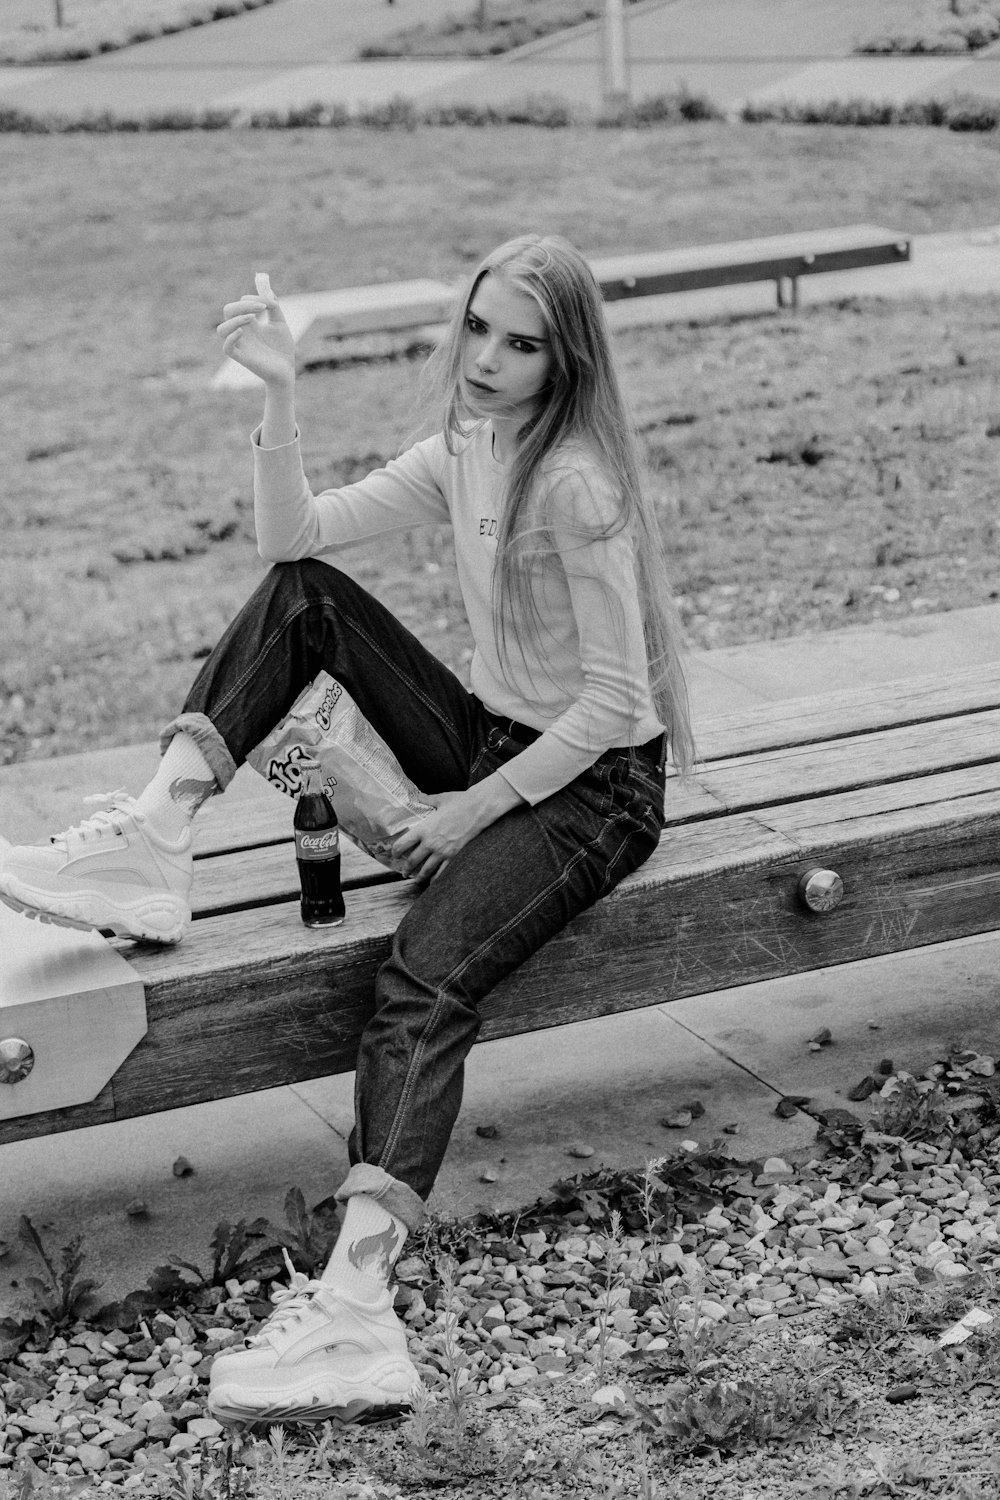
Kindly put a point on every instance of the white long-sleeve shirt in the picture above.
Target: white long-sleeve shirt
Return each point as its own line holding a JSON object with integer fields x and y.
{"x": 582, "y": 679}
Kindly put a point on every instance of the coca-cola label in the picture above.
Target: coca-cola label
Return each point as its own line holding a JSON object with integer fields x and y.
{"x": 321, "y": 843}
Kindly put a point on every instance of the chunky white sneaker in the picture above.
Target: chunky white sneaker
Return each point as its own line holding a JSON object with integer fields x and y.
{"x": 114, "y": 871}
{"x": 321, "y": 1355}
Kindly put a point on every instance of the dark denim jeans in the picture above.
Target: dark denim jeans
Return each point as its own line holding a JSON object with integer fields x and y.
{"x": 509, "y": 890}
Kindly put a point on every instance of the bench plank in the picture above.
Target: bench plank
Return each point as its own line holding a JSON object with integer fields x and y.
{"x": 879, "y": 812}
{"x": 850, "y": 711}
{"x": 913, "y": 750}
{"x": 260, "y": 876}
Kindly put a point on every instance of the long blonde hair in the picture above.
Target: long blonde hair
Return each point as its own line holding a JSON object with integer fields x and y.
{"x": 583, "y": 403}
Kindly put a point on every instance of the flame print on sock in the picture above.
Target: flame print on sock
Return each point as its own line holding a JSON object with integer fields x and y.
{"x": 374, "y": 1254}
{"x": 193, "y": 792}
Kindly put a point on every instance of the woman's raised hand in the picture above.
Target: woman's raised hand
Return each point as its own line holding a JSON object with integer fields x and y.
{"x": 255, "y": 334}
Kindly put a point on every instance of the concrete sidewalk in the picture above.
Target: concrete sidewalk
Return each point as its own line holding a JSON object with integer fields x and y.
{"x": 599, "y": 1085}
{"x": 304, "y": 51}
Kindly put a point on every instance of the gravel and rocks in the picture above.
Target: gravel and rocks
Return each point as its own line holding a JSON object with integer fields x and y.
{"x": 552, "y": 1305}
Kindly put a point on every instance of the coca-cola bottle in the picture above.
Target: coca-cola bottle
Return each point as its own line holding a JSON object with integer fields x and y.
{"x": 317, "y": 850}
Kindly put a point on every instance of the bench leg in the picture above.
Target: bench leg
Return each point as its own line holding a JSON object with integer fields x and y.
{"x": 792, "y": 298}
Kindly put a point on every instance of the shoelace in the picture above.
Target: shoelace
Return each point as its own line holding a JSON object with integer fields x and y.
{"x": 115, "y": 805}
{"x": 289, "y": 1302}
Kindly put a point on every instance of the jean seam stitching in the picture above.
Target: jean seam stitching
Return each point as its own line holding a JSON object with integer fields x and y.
{"x": 409, "y": 1082}
{"x": 392, "y": 1135}
{"x": 619, "y": 852}
{"x": 254, "y": 666}
{"x": 428, "y": 702}
{"x": 412, "y": 1072}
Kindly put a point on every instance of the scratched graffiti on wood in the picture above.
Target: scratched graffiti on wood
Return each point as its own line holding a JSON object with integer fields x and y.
{"x": 893, "y": 919}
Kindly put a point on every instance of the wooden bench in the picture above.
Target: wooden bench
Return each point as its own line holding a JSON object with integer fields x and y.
{"x": 321, "y": 321}
{"x": 895, "y": 789}
{"x": 782, "y": 258}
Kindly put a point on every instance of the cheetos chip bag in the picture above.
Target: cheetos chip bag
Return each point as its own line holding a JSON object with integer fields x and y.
{"x": 373, "y": 799}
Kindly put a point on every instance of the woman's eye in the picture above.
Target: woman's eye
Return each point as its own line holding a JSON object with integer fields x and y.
{"x": 474, "y": 325}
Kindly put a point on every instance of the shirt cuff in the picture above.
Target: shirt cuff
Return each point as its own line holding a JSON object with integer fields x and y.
{"x": 255, "y": 441}
{"x": 542, "y": 769}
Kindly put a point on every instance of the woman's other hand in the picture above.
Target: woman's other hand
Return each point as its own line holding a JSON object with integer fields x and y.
{"x": 430, "y": 844}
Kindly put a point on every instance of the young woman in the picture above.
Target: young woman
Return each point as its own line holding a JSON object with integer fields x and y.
{"x": 547, "y": 779}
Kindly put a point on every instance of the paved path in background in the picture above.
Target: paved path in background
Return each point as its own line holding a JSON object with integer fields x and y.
{"x": 735, "y": 52}
{"x": 204, "y": 66}
{"x": 300, "y": 51}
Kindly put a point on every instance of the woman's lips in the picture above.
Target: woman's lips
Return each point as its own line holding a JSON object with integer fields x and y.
{"x": 480, "y": 385}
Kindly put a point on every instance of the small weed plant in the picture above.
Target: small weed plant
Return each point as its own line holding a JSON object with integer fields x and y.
{"x": 451, "y": 1363}
{"x": 59, "y": 1295}
{"x": 28, "y": 1482}
{"x": 728, "y": 1415}
{"x": 613, "y": 1258}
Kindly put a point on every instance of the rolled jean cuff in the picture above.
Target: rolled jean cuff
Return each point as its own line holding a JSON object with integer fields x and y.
{"x": 393, "y": 1195}
{"x": 209, "y": 741}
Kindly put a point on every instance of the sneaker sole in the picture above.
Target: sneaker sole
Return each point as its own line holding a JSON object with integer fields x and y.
{"x": 254, "y": 1420}
{"x": 313, "y": 1402}
{"x": 161, "y": 921}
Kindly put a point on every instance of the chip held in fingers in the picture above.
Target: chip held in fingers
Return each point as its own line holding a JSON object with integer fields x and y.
{"x": 262, "y": 282}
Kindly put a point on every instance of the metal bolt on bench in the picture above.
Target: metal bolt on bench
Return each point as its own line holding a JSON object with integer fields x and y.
{"x": 16, "y": 1059}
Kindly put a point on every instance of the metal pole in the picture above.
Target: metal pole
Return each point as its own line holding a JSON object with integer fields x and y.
{"x": 59, "y": 12}
{"x": 615, "y": 54}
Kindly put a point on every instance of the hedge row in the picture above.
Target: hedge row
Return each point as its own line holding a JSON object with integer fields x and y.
{"x": 959, "y": 113}
{"x": 969, "y": 32}
{"x": 397, "y": 114}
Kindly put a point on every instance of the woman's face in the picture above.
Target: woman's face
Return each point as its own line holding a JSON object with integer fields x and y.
{"x": 507, "y": 357}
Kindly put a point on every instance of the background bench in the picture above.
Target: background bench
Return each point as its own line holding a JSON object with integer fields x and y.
{"x": 318, "y": 318}
{"x": 896, "y": 789}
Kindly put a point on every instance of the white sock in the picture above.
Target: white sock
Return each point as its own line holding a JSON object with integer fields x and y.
{"x": 183, "y": 781}
{"x": 366, "y": 1250}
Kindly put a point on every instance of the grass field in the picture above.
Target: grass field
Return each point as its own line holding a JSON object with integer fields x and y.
{"x": 807, "y": 467}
